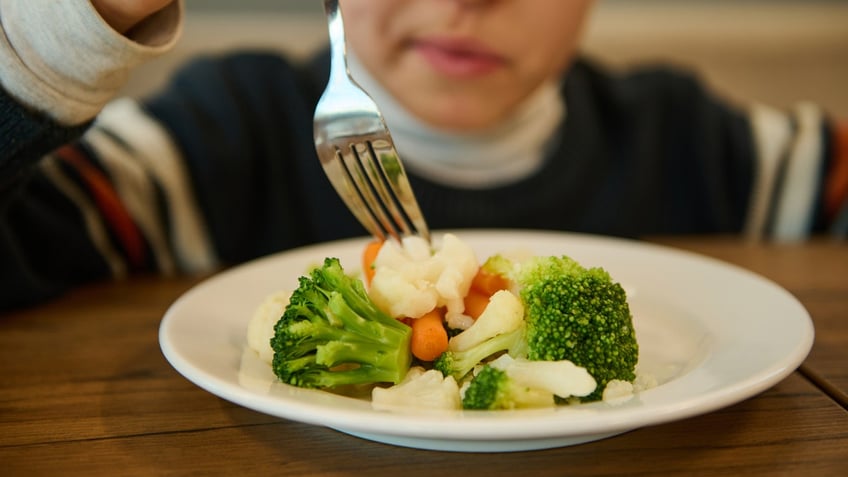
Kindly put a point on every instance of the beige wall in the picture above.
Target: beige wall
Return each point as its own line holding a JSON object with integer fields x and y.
{"x": 750, "y": 51}
{"x": 773, "y": 52}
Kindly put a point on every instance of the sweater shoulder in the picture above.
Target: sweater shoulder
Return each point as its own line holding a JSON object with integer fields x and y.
{"x": 647, "y": 87}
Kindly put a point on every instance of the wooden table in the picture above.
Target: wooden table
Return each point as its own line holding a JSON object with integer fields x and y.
{"x": 84, "y": 390}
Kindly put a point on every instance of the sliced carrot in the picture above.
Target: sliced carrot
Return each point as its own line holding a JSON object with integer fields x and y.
{"x": 429, "y": 337}
{"x": 488, "y": 283}
{"x": 475, "y": 302}
{"x": 368, "y": 257}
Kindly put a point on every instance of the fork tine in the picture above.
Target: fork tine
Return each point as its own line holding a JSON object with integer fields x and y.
{"x": 349, "y": 192}
{"x": 388, "y": 197}
{"x": 372, "y": 183}
{"x": 384, "y": 152}
{"x": 356, "y": 162}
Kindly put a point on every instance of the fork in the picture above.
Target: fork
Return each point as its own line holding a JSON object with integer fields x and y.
{"x": 357, "y": 151}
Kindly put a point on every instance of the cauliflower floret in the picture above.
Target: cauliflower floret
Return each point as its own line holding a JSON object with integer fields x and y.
{"x": 401, "y": 294}
{"x": 618, "y": 392}
{"x": 458, "y": 321}
{"x": 503, "y": 314}
{"x": 260, "y": 329}
{"x": 420, "y": 389}
{"x": 410, "y": 281}
{"x": 562, "y": 378}
{"x": 643, "y": 382}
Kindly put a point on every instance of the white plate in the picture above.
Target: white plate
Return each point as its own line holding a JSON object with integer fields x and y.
{"x": 712, "y": 333}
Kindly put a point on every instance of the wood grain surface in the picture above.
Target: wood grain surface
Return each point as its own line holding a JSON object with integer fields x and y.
{"x": 84, "y": 390}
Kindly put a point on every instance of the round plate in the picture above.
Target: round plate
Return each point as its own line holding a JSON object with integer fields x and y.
{"x": 700, "y": 324}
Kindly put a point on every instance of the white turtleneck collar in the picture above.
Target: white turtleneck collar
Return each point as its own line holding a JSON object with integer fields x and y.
{"x": 501, "y": 155}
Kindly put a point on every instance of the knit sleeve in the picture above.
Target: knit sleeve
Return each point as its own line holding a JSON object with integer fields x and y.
{"x": 60, "y": 63}
{"x": 114, "y": 202}
{"x": 68, "y": 215}
{"x": 24, "y": 137}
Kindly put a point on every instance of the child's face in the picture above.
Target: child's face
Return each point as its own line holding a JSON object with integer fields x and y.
{"x": 463, "y": 64}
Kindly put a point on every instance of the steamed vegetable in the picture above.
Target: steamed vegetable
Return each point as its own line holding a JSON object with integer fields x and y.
{"x": 508, "y": 383}
{"x": 332, "y": 334}
{"x": 573, "y": 313}
{"x": 512, "y": 332}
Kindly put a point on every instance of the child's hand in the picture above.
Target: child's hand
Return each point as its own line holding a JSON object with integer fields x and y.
{"x": 124, "y": 14}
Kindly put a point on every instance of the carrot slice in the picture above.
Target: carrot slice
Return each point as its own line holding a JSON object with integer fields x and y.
{"x": 488, "y": 283}
{"x": 475, "y": 302}
{"x": 429, "y": 337}
{"x": 368, "y": 257}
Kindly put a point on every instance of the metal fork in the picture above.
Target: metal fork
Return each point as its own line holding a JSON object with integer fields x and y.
{"x": 357, "y": 151}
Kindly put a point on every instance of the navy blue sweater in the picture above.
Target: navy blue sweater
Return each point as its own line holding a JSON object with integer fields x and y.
{"x": 646, "y": 153}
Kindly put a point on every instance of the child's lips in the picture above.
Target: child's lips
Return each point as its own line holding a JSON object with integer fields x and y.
{"x": 457, "y": 57}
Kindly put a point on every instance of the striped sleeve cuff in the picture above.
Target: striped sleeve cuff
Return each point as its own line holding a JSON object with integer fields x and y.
{"x": 63, "y": 60}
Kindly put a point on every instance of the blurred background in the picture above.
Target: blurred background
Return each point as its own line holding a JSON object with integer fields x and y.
{"x": 777, "y": 52}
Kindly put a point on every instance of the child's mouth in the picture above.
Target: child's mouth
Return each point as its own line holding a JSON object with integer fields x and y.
{"x": 458, "y": 58}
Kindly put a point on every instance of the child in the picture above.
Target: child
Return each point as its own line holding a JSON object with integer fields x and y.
{"x": 498, "y": 121}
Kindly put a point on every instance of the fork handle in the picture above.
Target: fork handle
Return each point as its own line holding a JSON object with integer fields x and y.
{"x": 335, "y": 27}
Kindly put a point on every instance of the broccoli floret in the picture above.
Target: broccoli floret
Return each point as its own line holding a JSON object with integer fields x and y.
{"x": 492, "y": 389}
{"x": 574, "y": 313}
{"x": 507, "y": 383}
{"x": 331, "y": 334}
{"x": 460, "y": 363}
